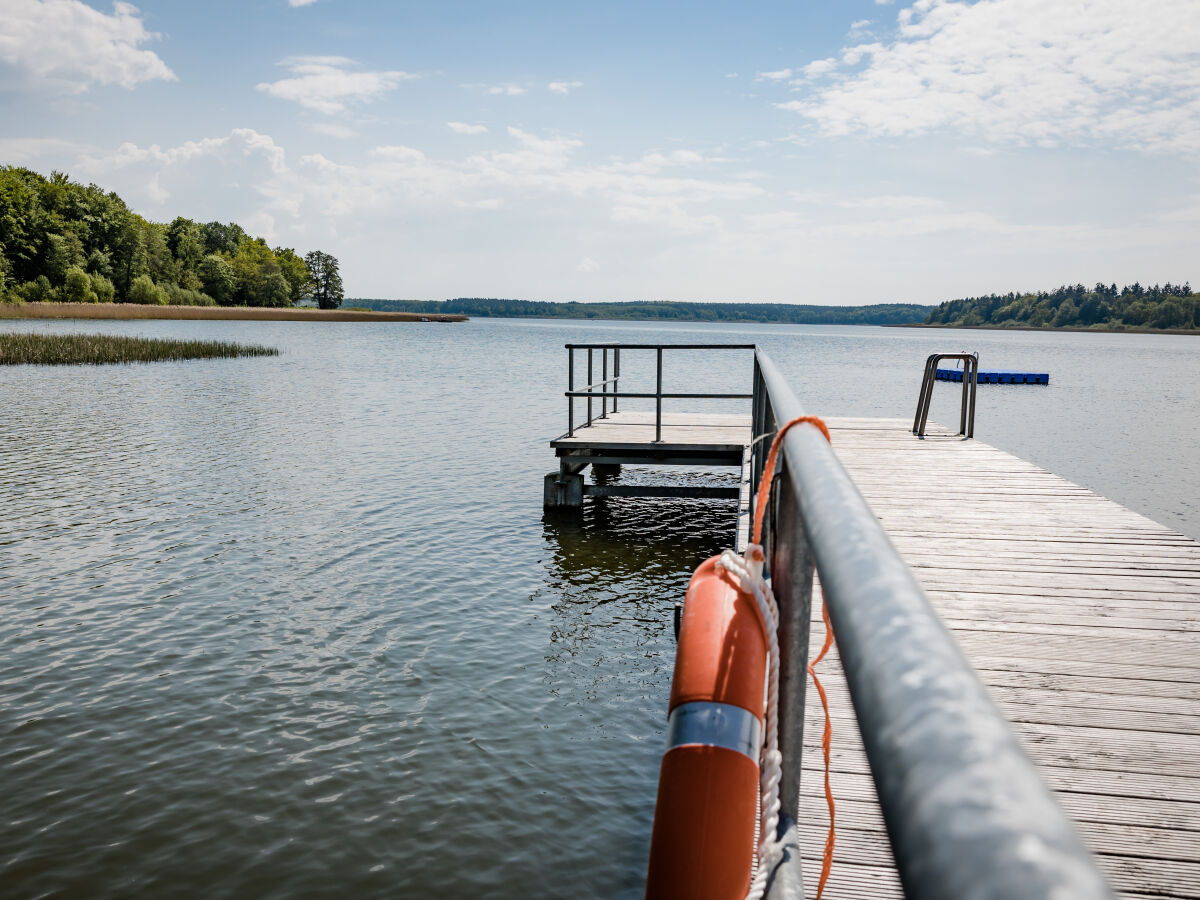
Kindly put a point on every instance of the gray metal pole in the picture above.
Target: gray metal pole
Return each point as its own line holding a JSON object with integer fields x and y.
{"x": 658, "y": 401}
{"x": 967, "y": 813}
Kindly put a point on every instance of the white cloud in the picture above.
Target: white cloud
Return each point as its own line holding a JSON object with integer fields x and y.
{"x": 20, "y": 151}
{"x": 653, "y": 163}
{"x": 68, "y": 45}
{"x": 860, "y": 24}
{"x": 1024, "y": 72}
{"x": 301, "y": 2}
{"x": 464, "y": 128}
{"x": 563, "y": 87}
{"x": 328, "y": 84}
{"x": 587, "y": 265}
{"x": 778, "y": 75}
{"x": 819, "y": 67}
{"x": 527, "y": 174}
{"x": 498, "y": 90}
{"x": 333, "y": 129}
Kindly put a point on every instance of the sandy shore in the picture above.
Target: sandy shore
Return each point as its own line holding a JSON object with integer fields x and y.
{"x": 136, "y": 311}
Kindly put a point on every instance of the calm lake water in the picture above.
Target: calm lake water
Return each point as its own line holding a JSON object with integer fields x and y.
{"x": 297, "y": 626}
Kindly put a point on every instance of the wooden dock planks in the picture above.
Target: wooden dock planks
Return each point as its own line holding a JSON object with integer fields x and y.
{"x": 1080, "y": 616}
{"x": 634, "y": 430}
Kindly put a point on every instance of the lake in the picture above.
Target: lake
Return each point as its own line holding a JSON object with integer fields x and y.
{"x": 297, "y": 626}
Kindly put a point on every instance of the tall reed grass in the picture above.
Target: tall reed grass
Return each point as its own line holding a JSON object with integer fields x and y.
{"x": 17, "y": 348}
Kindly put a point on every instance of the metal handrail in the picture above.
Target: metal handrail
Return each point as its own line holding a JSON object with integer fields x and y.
{"x": 590, "y": 392}
{"x": 966, "y": 417}
{"x": 966, "y": 811}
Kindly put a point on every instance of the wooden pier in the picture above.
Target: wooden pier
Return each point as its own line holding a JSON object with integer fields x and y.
{"x": 1081, "y": 617}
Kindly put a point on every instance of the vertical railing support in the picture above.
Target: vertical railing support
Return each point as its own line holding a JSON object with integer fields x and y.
{"x": 658, "y": 402}
{"x": 616, "y": 376}
{"x": 570, "y": 388}
{"x": 604, "y": 383}
{"x": 589, "y": 387}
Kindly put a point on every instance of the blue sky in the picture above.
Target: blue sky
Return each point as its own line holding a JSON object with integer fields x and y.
{"x": 850, "y": 152}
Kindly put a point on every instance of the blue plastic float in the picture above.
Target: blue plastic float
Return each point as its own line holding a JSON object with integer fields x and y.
{"x": 997, "y": 377}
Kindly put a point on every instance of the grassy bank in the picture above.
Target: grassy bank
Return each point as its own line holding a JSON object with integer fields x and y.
{"x": 247, "y": 313}
{"x": 98, "y": 349}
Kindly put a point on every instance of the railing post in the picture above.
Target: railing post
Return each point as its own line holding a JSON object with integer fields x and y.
{"x": 658, "y": 402}
{"x": 570, "y": 388}
{"x": 616, "y": 375}
{"x": 604, "y": 383}
{"x": 966, "y": 391}
{"x": 589, "y": 387}
{"x": 971, "y": 414}
{"x": 791, "y": 581}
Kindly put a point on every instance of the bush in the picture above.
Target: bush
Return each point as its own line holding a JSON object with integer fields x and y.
{"x": 103, "y": 288}
{"x": 77, "y": 287}
{"x": 216, "y": 275}
{"x": 38, "y": 291}
{"x": 178, "y": 296}
{"x": 145, "y": 291}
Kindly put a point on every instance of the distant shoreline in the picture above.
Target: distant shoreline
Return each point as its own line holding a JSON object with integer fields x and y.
{"x": 1122, "y": 330}
{"x": 228, "y": 313}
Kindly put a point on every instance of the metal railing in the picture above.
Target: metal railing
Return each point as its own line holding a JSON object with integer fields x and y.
{"x": 966, "y": 811}
{"x": 966, "y": 417}
{"x": 590, "y": 392}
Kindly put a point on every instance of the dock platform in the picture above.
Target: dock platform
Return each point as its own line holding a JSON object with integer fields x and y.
{"x": 1081, "y": 617}
{"x": 629, "y": 438}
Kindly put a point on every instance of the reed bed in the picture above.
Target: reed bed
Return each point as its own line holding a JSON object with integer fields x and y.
{"x": 17, "y": 348}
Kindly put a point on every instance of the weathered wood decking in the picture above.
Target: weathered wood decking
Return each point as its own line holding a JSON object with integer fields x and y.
{"x": 633, "y": 430}
{"x": 1081, "y": 617}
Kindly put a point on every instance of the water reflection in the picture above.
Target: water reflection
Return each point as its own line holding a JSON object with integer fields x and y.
{"x": 613, "y": 572}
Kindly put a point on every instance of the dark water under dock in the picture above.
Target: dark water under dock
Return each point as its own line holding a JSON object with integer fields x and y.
{"x": 297, "y": 625}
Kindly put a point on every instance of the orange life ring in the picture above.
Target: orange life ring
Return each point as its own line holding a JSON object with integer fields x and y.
{"x": 702, "y": 843}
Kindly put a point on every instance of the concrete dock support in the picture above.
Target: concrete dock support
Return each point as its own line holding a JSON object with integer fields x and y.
{"x": 563, "y": 490}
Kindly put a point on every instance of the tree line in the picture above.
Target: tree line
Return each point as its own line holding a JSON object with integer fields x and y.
{"x": 786, "y": 313}
{"x": 1165, "y": 306}
{"x": 68, "y": 242}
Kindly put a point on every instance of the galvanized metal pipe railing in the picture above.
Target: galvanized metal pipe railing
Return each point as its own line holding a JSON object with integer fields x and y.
{"x": 967, "y": 814}
{"x": 590, "y": 390}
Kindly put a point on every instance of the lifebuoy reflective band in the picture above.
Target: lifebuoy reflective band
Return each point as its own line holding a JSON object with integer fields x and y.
{"x": 702, "y": 843}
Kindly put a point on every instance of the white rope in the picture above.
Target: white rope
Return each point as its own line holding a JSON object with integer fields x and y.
{"x": 747, "y": 569}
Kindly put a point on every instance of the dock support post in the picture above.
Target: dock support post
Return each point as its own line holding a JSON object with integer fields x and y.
{"x": 563, "y": 491}
{"x": 564, "y": 488}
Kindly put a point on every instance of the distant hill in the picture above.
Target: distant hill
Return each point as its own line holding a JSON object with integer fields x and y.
{"x": 785, "y": 313}
{"x": 1103, "y": 307}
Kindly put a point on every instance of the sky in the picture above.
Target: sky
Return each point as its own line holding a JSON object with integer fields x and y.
{"x": 859, "y": 151}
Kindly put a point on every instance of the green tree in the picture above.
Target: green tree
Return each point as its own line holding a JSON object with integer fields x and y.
{"x": 253, "y": 266}
{"x": 185, "y": 240}
{"x": 293, "y": 269}
{"x": 221, "y": 238}
{"x": 160, "y": 265}
{"x": 77, "y": 287}
{"x": 217, "y": 278}
{"x": 272, "y": 290}
{"x": 325, "y": 280}
{"x": 144, "y": 290}
{"x": 62, "y": 252}
{"x": 102, "y": 288}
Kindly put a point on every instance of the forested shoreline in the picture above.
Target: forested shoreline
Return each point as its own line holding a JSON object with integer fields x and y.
{"x": 784, "y": 313}
{"x": 62, "y": 241}
{"x": 1102, "y": 307}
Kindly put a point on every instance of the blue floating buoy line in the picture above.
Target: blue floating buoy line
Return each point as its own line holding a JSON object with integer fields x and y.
{"x": 996, "y": 377}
